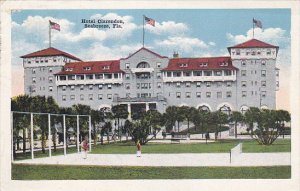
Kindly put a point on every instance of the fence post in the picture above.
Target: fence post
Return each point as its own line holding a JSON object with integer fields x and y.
{"x": 90, "y": 133}
{"x": 78, "y": 133}
{"x": 230, "y": 156}
{"x": 49, "y": 133}
{"x": 64, "y": 127}
{"x": 31, "y": 135}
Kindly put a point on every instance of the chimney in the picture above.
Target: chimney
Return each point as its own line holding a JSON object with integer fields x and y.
{"x": 175, "y": 55}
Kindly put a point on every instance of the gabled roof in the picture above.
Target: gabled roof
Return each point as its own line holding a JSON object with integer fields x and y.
{"x": 253, "y": 43}
{"x": 112, "y": 66}
{"x": 143, "y": 48}
{"x": 213, "y": 63}
{"x": 50, "y": 52}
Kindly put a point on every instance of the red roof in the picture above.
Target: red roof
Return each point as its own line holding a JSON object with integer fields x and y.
{"x": 143, "y": 48}
{"x": 254, "y": 43}
{"x": 213, "y": 63}
{"x": 92, "y": 67}
{"x": 50, "y": 52}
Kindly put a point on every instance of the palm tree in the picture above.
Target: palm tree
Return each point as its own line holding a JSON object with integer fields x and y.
{"x": 120, "y": 112}
{"x": 97, "y": 117}
{"x": 170, "y": 117}
{"x": 283, "y": 116}
{"x": 236, "y": 117}
{"x": 218, "y": 119}
{"x": 251, "y": 117}
{"x": 188, "y": 113}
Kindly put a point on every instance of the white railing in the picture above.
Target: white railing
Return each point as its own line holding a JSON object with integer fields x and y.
{"x": 93, "y": 81}
{"x": 137, "y": 70}
{"x": 199, "y": 78}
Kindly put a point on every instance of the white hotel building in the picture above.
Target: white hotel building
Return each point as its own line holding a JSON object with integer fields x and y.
{"x": 248, "y": 77}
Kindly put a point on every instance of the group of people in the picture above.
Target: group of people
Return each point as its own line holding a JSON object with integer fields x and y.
{"x": 85, "y": 148}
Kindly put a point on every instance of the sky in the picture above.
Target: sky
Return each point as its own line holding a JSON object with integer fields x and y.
{"x": 190, "y": 32}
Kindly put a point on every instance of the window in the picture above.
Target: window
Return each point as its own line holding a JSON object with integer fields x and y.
{"x": 72, "y": 87}
{"x": 127, "y": 65}
{"x": 243, "y": 62}
{"x": 198, "y": 84}
{"x": 277, "y": 84}
{"x": 238, "y": 52}
{"x": 178, "y": 84}
{"x": 263, "y": 94}
{"x": 71, "y": 77}
{"x": 98, "y": 76}
{"x": 81, "y": 97}
{"x": 197, "y": 73}
{"x": 263, "y": 73}
{"x": 64, "y": 98}
{"x": 127, "y": 76}
{"x": 37, "y": 61}
{"x": 33, "y": 71}
{"x": 109, "y": 96}
{"x": 64, "y": 88}
{"x": 183, "y": 65}
{"x": 219, "y": 84}
{"x": 91, "y": 87}
{"x": 244, "y": 84}
{"x": 178, "y": 94}
{"x": 253, "y": 53}
{"x": 218, "y": 73}
{"x": 244, "y": 94}
{"x": 100, "y": 86}
{"x": 228, "y": 94}
{"x": 50, "y": 79}
{"x": 188, "y": 84}
{"x": 268, "y": 52}
{"x": 50, "y": 88}
{"x": 158, "y": 85}
{"x": 100, "y": 96}
{"x": 109, "y": 86}
{"x": 188, "y": 94}
{"x": 90, "y": 96}
{"x": 228, "y": 84}
{"x": 87, "y": 68}
{"x": 33, "y": 80}
{"x": 207, "y": 73}
{"x": 263, "y": 63}
{"x": 29, "y": 62}
{"x": 127, "y": 86}
{"x": 72, "y": 97}
{"x": 227, "y": 72}
{"x": 208, "y": 94}
{"x": 89, "y": 77}
{"x": 208, "y": 84}
{"x": 69, "y": 69}
{"x": 219, "y": 94}
{"x": 243, "y": 72}
{"x": 263, "y": 83}
{"x": 169, "y": 74}
{"x": 50, "y": 69}
{"x": 81, "y": 87}
{"x": 127, "y": 94}
{"x": 138, "y": 86}
{"x": 80, "y": 77}
{"x": 198, "y": 94}
{"x": 158, "y": 64}
{"x": 158, "y": 75}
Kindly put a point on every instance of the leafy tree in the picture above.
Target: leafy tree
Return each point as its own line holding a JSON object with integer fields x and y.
{"x": 188, "y": 114}
{"x": 96, "y": 117}
{"x": 236, "y": 117}
{"x": 170, "y": 117}
{"x": 119, "y": 112}
{"x": 283, "y": 116}
{"x": 218, "y": 118}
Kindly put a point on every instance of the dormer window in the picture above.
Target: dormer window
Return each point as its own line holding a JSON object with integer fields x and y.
{"x": 87, "y": 68}
{"x": 69, "y": 69}
{"x": 106, "y": 67}
{"x": 183, "y": 65}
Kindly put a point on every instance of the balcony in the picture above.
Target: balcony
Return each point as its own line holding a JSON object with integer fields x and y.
{"x": 87, "y": 81}
{"x": 199, "y": 78}
{"x": 139, "y": 99}
{"x": 142, "y": 70}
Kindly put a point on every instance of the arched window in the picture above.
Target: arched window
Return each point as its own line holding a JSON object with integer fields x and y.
{"x": 204, "y": 108}
{"x": 225, "y": 109}
{"x": 244, "y": 108}
{"x": 143, "y": 65}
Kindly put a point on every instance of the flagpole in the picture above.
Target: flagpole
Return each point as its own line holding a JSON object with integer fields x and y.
{"x": 49, "y": 35}
{"x": 143, "y": 30}
{"x": 253, "y": 28}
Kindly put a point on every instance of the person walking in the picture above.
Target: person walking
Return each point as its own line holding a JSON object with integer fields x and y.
{"x": 85, "y": 147}
{"x": 139, "y": 147}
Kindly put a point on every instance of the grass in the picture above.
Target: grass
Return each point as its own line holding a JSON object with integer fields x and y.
{"x": 221, "y": 146}
{"x": 53, "y": 172}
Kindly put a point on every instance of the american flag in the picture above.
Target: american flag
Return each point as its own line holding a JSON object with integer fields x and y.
{"x": 257, "y": 23}
{"x": 54, "y": 25}
{"x": 150, "y": 21}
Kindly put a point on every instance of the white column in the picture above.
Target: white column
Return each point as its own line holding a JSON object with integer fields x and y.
{"x": 49, "y": 134}
{"x": 78, "y": 133}
{"x": 65, "y": 145}
{"x": 31, "y": 135}
{"x": 129, "y": 111}
{"x": 12, "y": 135}
{"x": 172, "y": 74}
{"x": 147, "y": 106}
{"x": 90, "y": 133}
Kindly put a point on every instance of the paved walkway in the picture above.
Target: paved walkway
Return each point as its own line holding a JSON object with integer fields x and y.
{"x": 205, "y": 159}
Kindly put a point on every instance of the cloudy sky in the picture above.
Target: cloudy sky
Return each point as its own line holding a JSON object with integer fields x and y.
{"x": 191, "y": 33}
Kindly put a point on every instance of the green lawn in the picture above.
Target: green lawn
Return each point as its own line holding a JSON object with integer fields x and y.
{"x": 222, "y": 146}
{"x": 53, "y": 172}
